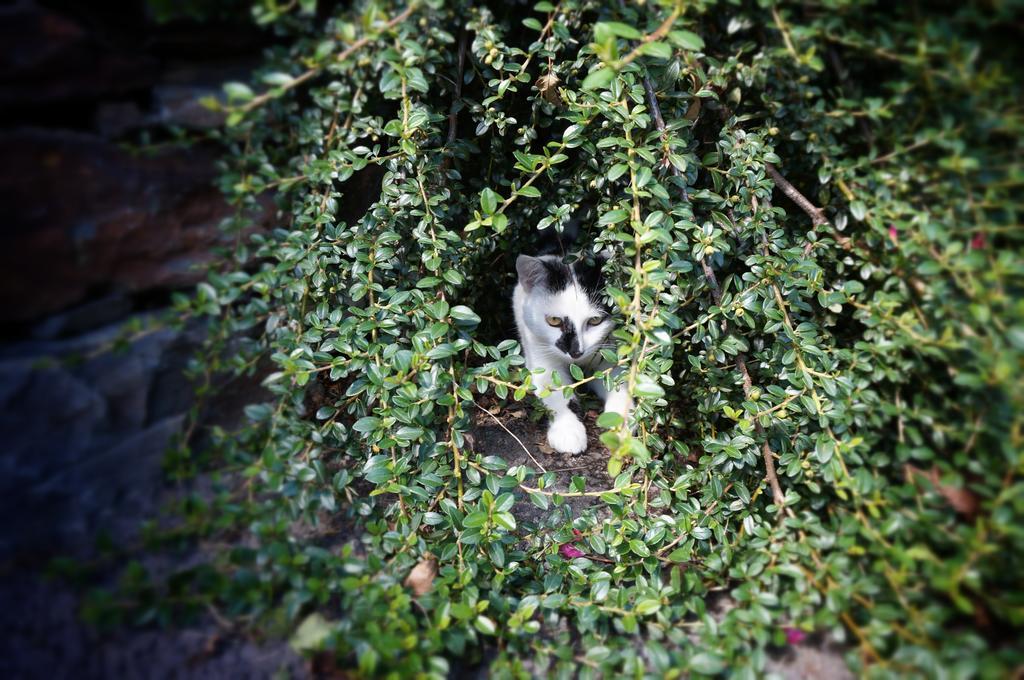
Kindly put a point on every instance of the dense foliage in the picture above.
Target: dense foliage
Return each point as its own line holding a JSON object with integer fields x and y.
{"x": 816, "y": 273}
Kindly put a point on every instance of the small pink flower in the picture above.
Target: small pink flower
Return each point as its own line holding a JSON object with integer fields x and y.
{"x": 894, "y": 235}
{"x": 794, "y": 636}
{"x": 978, "y": 242}
{"x": 569, "y": 551}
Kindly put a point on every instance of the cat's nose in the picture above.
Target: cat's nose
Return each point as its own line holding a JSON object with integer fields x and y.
{"x": 575, "y": 352}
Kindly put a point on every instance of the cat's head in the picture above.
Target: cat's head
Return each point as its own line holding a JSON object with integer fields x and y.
{"x": 562, "y": 305}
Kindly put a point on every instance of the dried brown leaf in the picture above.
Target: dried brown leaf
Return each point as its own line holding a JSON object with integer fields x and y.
{"x": 421, "y": 578}
{"x": 547, "y": 85}
{"x": 693, "y": 111}
{"x": 960, "y": 499}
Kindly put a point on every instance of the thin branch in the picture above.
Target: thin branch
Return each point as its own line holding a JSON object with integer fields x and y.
{"x": 659, "y": 122}
{"x": 781, "y": 25}
{"x": 816, "y": 214}
{"x": 453, "y": 114}
{"x": 842, "y": 74}
{"x": 518, "y": 440}
{"x": 564, "y": 494}
{"x": 342, "y": 56}
{"x": 778, "y": 497}
{"x": 892, "y": 154}
{"x": 660, "y": 32}
{"x": 711, "y": 508}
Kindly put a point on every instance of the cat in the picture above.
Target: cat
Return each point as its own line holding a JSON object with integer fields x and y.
{"x": 561, "y": 321}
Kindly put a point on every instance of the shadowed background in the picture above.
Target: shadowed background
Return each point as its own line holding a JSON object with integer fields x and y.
{"x": 109, "y": 205}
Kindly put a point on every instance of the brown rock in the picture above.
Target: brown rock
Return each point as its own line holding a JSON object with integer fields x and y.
{"x": 46, "y": 56}
{"x": 87, "y": 215}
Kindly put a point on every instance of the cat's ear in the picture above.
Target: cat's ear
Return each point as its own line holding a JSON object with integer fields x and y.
{"x": 532, "y": 272}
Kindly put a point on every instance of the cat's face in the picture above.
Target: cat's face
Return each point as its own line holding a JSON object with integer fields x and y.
{"x": 562, "y": 306}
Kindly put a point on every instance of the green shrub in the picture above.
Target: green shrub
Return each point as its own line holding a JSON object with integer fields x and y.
{"x": 816, "y": 269}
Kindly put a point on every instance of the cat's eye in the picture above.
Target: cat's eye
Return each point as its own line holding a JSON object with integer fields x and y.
{"x": 553, "y": 321}
{"x": 595, "y": 320}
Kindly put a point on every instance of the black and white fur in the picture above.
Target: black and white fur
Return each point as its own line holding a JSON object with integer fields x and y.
{"x": 561, "y": 321}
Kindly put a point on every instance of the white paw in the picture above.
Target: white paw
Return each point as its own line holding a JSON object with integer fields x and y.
{"x": 567, "y": 434}
{"x": 618, "y": 402}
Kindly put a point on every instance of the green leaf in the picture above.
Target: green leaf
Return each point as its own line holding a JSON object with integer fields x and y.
{"x": 506, "y": 520}
{"x": 647, "y": 387}
{"x": 504, "y": 502}
{"x": 688, "y": 40}
{"x": 610, "y": 419}
{"x": 238, "y": 92}
{"x": 706, "y": 663}
{"x": 617, "y": 171}
{"x": 613, "y": 217}
{"x": 616, "y": 28}
{"x": 485, "y": 625}
{"x": 657, "y": 49}
{"x": 475, "y": 519}
{"x": 277, "y": 78}
{"x": 598, "y": 79}
{"x": 311, "y": 633}
{"x": 366, "y": 424}
{"x": 489, "y": 201}
{"x": 464, "y": 316}
{"x": 639, "y": 548}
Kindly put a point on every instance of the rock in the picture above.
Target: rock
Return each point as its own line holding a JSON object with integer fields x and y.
{"x": 13, "y": 379}
{"x": 80, "y": 443}
{"x": 131, "y": 469}
{"x": 44, "y": 638}
{"x": 179, "y": 105}
{"x": 86, "y": 317}
{"x": 87, "y": 215}
{"x": 170, "y": 390}
{"x": 810, "y": 661}
{"x": 123, "y": 380}
{"x": 51, "y": 430}
{"x": 45, "y": 425}
{"x": 47, "y": 57}
{"x": 94, "y": 231}
{"x": 117, "y": 119}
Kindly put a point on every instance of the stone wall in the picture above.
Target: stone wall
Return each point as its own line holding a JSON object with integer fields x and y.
{"x": 102, "y": 218}
{"x": 97, "y": 198}
{"x": 104, "y": 215}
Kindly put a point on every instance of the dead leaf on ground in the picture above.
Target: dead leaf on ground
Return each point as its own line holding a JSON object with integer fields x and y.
{"x": 421, "y": 578}
{"x": 961, "y": 500}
